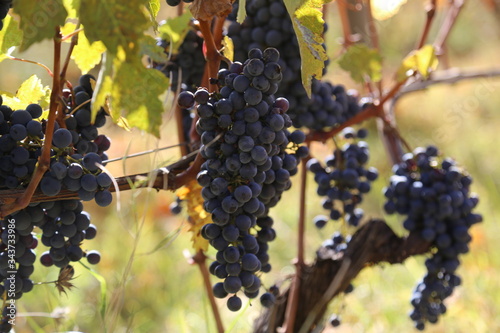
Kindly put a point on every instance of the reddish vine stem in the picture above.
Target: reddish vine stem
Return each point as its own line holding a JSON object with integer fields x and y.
{"x": 200, "y": 259}
{"x": 180, "y": 128}
{"x": 431, "y": 13}
{"x": 373, "y": 37}
{"x": 291, "y": 309}
{"x": 44, "y": 159}
{"x": 212, "y": 54}
{"x": 448, "y": 24}
{"x": 217, "y": 31}
{"x": 370, "y": 112}
{"x": 74, "y": 42}
{"x": 344, "y": 19}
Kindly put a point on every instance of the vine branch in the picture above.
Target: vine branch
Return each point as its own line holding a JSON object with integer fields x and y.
{"x": 332, "y": 273}
{"x": 43, "y": 164}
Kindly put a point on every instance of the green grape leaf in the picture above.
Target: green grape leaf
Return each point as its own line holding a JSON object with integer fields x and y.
{"x": 308, "y": 25}
{"x": 153, "y": 9}
{"x": 10, "y": 37}
{"x": 39, "y": 19}
{"x": 116, "y": 23}
{"x": 30, "y": 91}
{"x": 87, "y": 55}
{"x": 121, "y": 88}
{"x": 363, "y": 63}
{"x": 153, "y": 51}
{"x": 242, "y": 13}
{"x": 174, "y": 30}
{"x": 423, "y": 61}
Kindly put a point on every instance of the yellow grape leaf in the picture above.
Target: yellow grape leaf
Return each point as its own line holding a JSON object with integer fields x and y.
{"x": 308, "y": 24}
{"x": 68, "y": 28}
{"x": 31, "y": 91}
{"x": 87, "y": 55}
{"x": 384, "y": 9}
{"x": 71, "y": 7}
{"x": 10, "y": 37}
{"x": 242, "y": 13}
{"x": 423, "y": 60}
{"x": 228, "y": 48}
{"x": 198, "y": 216}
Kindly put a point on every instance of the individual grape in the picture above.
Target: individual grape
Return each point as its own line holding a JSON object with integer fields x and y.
{"x": 267, "y": 300}
{"x": 91, "y": 161}
{"x": 186, "y": 99}
{"x": 93, "y": 257}
{"x": 234, "y": 303}
{"x": 50, "y": 186}
{"x": 62, "y": 138}
{"x": 103, "y": 198}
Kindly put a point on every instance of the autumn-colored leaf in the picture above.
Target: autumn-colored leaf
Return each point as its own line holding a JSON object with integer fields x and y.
{"x": 423, "y": 61}
{"x": 308, "y": 24}
{"x": 198, "y": 217}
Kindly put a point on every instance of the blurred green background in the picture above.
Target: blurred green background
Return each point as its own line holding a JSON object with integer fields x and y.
{"x": 144, "y": 282}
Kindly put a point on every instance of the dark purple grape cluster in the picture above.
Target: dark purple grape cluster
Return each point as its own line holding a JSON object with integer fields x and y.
{"x": 5, "y": 5}
{"x": 63, "y": 225}
{"x": 344, "y": 180}
{"x": 268, "y": 25}
{"x": 76, "y": 150}
{"x": 250, "y": 156}
{"x": 186, "y": 65}
{"x": 433, "y": 194}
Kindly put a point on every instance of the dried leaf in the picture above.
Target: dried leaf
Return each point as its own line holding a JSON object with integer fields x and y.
{"x": 63, "y": 281}
{"x": 206, "y": 10}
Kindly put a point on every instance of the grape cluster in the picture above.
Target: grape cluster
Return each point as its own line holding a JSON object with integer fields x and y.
{"x": 250, "y": 156}
{"x": 434, "y": 196}
{"x": 186, "y": 65}
{"x": 63, "y": 225}
{"x": 5, "y": 5}
{"x": 345, "y": 179}
{"x": 76, "y": 150}
{"x": 268, "y": 25}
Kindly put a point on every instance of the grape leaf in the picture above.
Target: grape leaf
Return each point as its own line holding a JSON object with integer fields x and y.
{"x": 241, "y": 11}
{"x": 10, "y": 37}
{"x": 87, "y": 55}
{"x": 153, "y": 51}
{"x": 153, "y": 9}
{"x": 308, "y": 25}
{"x": 191, "y": 194}
{"x": 228, "y": 48}
{"x": 39, "y": 19}
{"x": 30, "y": 91}
{"x": 423, "y": 61}
{"x": 68, "y": 28}
{"x": 71, "y": 6}
{"x": 174, "y": 30}
{"x": 116, "y": 23}
{"x": 362, "y": 63}
{"x": 122, "y": 83}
